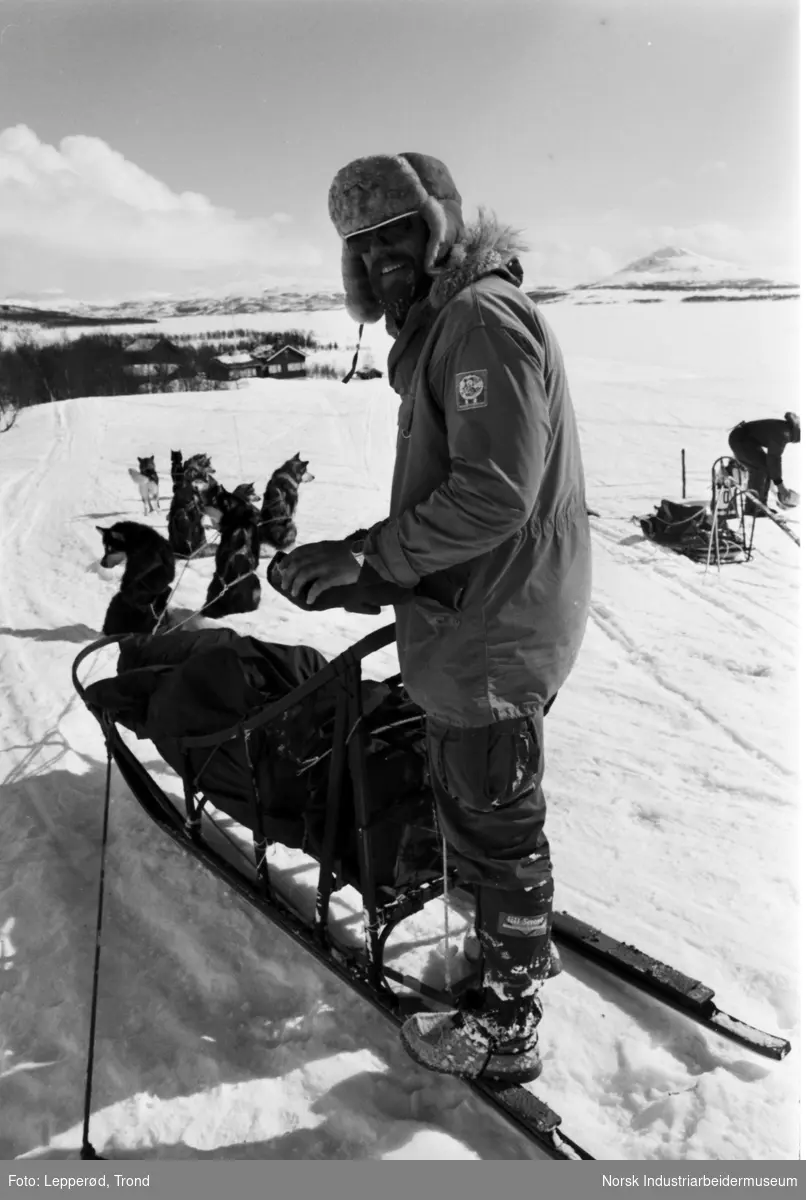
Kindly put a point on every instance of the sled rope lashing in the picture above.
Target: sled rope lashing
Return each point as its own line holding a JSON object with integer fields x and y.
{"x": 376, "y": 729}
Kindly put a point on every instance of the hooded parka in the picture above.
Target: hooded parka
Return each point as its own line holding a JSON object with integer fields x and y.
{"x": 488, "y": 520}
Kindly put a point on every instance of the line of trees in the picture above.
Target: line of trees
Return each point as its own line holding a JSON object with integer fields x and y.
{"x": 32, "y": 372}
{"x": 249, "y": 339}
{"x": 36, "y": 373}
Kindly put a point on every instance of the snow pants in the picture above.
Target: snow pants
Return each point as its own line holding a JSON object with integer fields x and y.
{"x": 751, "y": 454}
{"x": 487, "y": 785}
{"x": 489, "y": 799}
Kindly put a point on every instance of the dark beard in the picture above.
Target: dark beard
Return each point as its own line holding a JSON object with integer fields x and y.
{"x": 399, "y": 298}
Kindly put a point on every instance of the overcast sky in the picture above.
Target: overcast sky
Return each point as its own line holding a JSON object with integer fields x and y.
{"x": 169, "y": 145}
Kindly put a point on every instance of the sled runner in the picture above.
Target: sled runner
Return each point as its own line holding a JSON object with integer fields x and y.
{"x": 304, "y": 753}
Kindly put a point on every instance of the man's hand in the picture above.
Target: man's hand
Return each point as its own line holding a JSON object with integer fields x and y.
{"x": 322, "y": 564}
{"x": 787, "y": 497}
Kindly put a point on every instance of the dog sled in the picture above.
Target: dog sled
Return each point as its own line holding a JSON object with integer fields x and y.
{"x": 305, "y": 755}
{"x": 715, "y": 533}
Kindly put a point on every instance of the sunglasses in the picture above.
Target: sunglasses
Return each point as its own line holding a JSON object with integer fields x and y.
{"x": 386, "y": 234}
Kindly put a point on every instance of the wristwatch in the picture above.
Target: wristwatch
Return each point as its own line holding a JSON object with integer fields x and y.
{"x": 357, "y": 551}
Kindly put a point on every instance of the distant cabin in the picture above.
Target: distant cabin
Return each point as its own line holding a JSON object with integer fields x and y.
{"x": 151, "y": 370}
{"x": 286, "y": 363}
{"x": 156, "y": 350}
{"x": 233, "y": 366}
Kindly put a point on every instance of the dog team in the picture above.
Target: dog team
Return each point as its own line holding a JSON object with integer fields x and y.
{"x": 150, "y": 558}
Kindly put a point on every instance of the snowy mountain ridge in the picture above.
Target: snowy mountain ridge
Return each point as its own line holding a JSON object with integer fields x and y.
{"x": 671, "y": 268}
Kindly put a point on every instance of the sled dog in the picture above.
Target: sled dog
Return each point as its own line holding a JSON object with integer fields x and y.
{"x": 177, "y": 468}
{"x": 148, "y": 482}
{"x": 276, "y": 527}
{"x": 146, "y": 584}
{"x": 234, "y": 588}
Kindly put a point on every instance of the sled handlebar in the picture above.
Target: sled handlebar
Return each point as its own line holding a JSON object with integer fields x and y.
{"x": 93, "y": 648}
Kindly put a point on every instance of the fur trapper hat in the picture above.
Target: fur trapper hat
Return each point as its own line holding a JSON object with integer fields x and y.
{"x": 374, "y": 191}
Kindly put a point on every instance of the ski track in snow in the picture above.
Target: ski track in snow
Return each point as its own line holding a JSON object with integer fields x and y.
{"x": 671, "y": 803}
{"x": 609, "y": 624}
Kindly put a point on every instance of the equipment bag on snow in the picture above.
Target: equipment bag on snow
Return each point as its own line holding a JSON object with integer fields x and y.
{"x": 189, "y": 684}
{"x": 673, "y": 523}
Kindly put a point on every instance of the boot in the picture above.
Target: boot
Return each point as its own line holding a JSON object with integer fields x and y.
{"x": 495, "y": 1039}
{"x": 473, "y": 1045}
{"x": 472, "y": 952}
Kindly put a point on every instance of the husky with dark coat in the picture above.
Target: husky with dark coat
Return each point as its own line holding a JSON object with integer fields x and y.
{"x": 185, "y": 531}
{"x": 246, "y": 491}
{"x": 177, "y": 468}
{"x": 148, "y": 482}
{"x": 198, "y": 466}
{"x": 146, "y": 583}
{"x": 280, "y": 501}
{"x": 237, "y": 555}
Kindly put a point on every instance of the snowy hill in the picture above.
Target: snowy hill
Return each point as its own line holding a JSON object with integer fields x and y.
{"x": 55, "y": 309}
{"x": 671, "y": 780}
{"x": 678, "y": 268}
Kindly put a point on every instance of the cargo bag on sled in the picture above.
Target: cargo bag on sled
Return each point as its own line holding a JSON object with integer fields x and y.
{"x": 675, "y": 524}
{"x": 182, "y": 689}
{"x": 693, "y": 530}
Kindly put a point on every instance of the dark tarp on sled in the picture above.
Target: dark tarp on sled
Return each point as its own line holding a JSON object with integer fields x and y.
{"x": 688, "y": 529}
{"x": 189, "y": 684}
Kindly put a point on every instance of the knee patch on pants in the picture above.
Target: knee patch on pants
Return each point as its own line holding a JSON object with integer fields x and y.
{"x": 489, "y": 800}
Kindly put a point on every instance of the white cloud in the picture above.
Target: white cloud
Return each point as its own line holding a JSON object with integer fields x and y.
{"x": 84, "y": 201}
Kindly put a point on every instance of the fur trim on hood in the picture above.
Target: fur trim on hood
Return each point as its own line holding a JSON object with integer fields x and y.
{"x": 485, "y": 247}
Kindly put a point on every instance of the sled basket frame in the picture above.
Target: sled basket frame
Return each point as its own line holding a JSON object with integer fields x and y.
{"x": 383, "y": 907}
{"x": 728, "y": 489}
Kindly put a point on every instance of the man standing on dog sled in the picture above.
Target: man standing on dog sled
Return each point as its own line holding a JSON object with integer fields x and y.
{"x": 488, "y": 532}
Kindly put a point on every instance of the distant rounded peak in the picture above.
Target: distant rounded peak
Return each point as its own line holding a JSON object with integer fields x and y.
{"x": 675, "y": 252}
{"x": 661, "y": 256}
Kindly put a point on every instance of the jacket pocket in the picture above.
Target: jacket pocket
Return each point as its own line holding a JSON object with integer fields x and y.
{"x": 442, "y": 588}
{"x": 435, "y": 614}
{"x": 489, "y": 768}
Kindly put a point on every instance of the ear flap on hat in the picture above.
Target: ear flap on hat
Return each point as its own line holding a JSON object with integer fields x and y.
{"x": 360, "y": 301}
{"x": 371, "y": 191}
{"x": 444, "y": 219}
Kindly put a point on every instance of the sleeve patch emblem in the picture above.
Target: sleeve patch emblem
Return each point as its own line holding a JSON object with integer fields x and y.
{"x": 471, "y": 390}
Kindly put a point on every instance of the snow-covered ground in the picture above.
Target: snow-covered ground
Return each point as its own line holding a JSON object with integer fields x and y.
{"x": 672, "y": 787}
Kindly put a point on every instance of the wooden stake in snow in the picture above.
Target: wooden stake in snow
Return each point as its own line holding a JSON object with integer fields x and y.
{"x": 683, "y": 470}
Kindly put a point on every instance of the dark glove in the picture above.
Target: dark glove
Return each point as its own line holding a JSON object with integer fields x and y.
{"x": 367, "y": 596}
